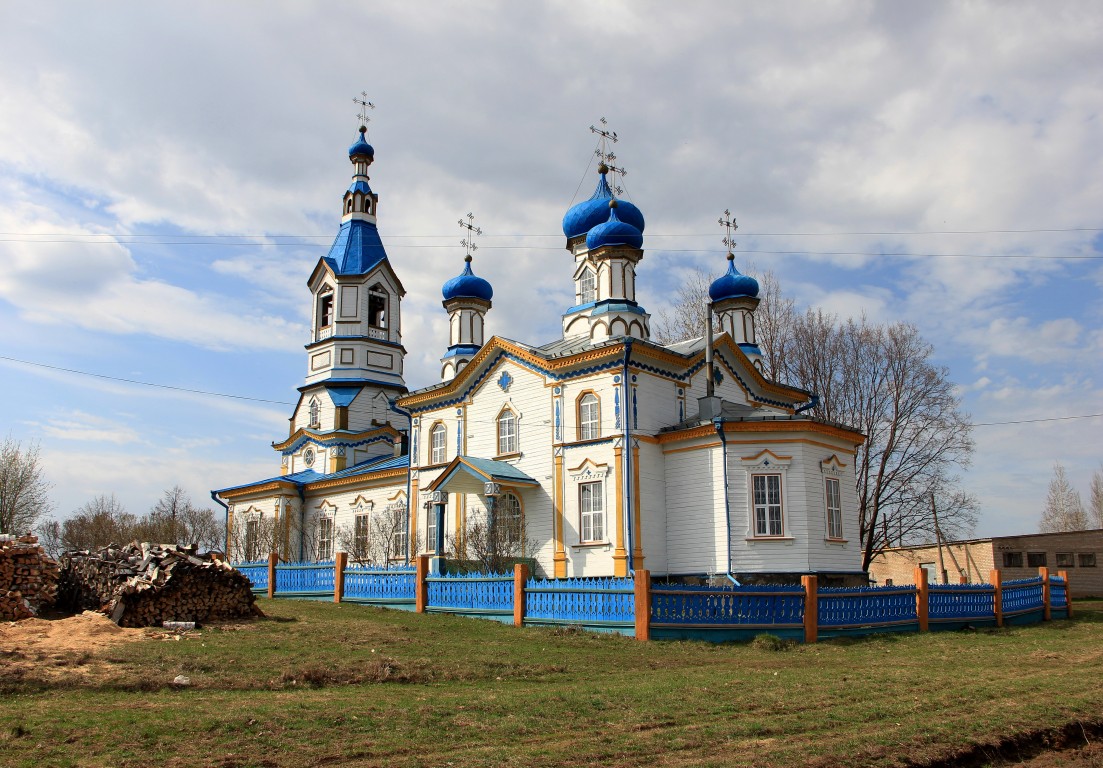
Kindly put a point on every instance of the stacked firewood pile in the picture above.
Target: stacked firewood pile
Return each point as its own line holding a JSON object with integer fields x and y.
{"x": 142, "y": 585}
{"x": 28, "y": 578}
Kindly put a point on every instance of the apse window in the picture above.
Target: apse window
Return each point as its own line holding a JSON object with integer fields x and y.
{"x": 592, "y": 512}
{"x": 589, "y": 417}
{"x": 767, "y": 505}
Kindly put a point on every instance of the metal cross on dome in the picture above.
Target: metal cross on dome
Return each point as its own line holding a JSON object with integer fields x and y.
{"x": 468, "y": 241}
{"x": 365, "y": 105}
{"x": 729, "y": 227}
{"x": 605, "y": 155}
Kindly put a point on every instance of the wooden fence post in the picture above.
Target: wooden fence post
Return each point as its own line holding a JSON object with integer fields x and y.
{"x": 520, "y": 576}
{"x": 273, "y": 559}
{"x": 922, "y": 599}
{"x": 1068, "y": 592}
{"x": 811, "y": 607}
{"x": 1044, "y": 573}
{"x": 339, "y": 564}
{"x": 643, "y": 604}
{"x": 997, "y": 597}
{"x": 421, "y": 586}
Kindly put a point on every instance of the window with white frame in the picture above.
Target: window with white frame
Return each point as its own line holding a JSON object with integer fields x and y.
{"x": 591, "y": 512}
{"x": 361, "y": 525}
{"x": 834, "y": 508}
{"x": 325, "y": 538}
{"x": 400, "y": 542}
{"x": 252, "y": 540}
{"x": 437, "y": 445}
{"x": 507, "y": 432}
{"x": 325, "y": 310}
{"x": 767, "y": 505}
{"x": 510, "y": 521}
{"x": 587, "y": 287}
{"x": 431, "y": 527}
{"x": 589, "y": 417}
{"x": 315, "y": 412}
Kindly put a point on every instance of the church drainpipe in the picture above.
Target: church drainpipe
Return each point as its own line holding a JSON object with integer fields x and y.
{"x": 392, "y": 404}
{"x": 225, "y": 521}
{"x": 809, "y": 405}
{"x": 718, "y": 423}
{"x": 627, "y": 464}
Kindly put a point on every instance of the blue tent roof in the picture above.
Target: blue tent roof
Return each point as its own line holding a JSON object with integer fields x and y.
{"x": 356, "y": 249}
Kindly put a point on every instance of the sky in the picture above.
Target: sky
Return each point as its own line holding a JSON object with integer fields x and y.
{"x": 170, "y": 174}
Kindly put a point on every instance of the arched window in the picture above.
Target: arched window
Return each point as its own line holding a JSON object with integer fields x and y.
{"x": 377, "y": 306}
{"x": 510, "y": 521}
{"x": 507, "y": 432}
{"x": 589, "y": 417}
{"x": 437, "y": 443}
{"x": 315, "y": 409}
{"x": 587, "y": 287}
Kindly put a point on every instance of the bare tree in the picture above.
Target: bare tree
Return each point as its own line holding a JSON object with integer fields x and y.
{"x": 97, "y": 523}
{"x": 494, "y": 539}
{"x": 175, "y": 519}
{"x": 387, "y": 536}
{"x": 686, "y": 319}
{"x": 1064, "y": 511}
{"x": 23, "y": 487}
{"x": 1095, "y": 505}
{"x": 49, "y": 538}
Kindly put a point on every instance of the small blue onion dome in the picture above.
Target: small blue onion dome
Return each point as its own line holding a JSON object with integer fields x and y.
{"x": 467, "y": 285}
{"x": 361, "y": 146}
{"x": 732, "y": 284}
{"x": 582, "y": 217}
{"x": 614, "y": 231}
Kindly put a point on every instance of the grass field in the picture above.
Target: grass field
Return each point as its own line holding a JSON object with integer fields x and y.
{"x": 317, "y": 683}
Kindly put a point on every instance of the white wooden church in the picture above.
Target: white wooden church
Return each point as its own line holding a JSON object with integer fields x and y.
{"x": 600, "y": 452}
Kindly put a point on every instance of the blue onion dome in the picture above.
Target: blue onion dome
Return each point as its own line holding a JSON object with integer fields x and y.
{"x": 732, "y": 284}
{"x": 614, "y": 231}
{"x": 467, "y": 286}
{"x": 582, "y": 217}
{"x": 361, "y": 147}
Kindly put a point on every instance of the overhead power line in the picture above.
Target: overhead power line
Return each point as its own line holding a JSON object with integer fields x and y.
{"x": 144, "y": 383}
{"x": 287, "y": 402}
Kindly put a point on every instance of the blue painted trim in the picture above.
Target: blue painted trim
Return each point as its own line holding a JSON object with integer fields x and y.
{"x": 331, "y": 382}
{"x": 304, "y": 440}
{"x": 461, "y": 349}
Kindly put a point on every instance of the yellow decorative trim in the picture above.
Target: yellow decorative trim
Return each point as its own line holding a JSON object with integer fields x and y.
{"x": 331, "y": 438}
{"x": 620, "y": 554}
{"x": 411, "y": 510}
{"x": 373, "y": 477}
{"x": 560, "y": 556}
{"x": 765, "y": 452}
{"x": 593, "y": 464}
{"x": 275, "y": 485}
{"x": 637, "y": 540}
{"x": 703, "y": 446}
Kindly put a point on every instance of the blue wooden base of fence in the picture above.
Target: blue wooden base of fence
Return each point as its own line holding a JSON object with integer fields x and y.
{"x": 506, "y": 617}
{"x": 396, "y": 603}
{"x": 723, "y": 634}
{"x": 615, "y": 627}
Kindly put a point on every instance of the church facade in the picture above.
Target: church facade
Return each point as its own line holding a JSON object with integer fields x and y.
{"x": 596, "y": 454}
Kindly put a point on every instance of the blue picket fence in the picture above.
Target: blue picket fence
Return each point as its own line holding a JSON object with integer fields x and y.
{"x": 314, "y": 580}
{"x": 951, "y": 606}
{"x": 866, "y": 609}
{"x": 603, "y": 604}
{"x": 1058, "y": 595}
{"x": 257, "y": 573}
{"x": 391, "y": 587}
{"x": 675, "y": 611}
{"x": 1021, "y": 598}
{"x": 485, "y": 595}
{"x": 726, "y": 613}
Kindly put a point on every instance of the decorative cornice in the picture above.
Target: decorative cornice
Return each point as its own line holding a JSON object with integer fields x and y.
{"x": 326, "y": 439}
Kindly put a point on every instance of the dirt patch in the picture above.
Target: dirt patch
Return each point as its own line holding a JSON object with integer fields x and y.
{"x": 58, "y": 651}
{"x": 1077, "y": 745}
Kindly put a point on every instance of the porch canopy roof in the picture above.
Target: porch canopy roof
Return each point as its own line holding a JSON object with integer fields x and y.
{"x": 469, "y": 474}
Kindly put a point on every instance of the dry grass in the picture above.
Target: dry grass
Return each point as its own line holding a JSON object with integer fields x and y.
{"x": 346, "y": 685}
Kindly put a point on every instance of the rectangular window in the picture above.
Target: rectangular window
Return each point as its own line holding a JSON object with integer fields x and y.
{"x": 767, "y": 505}
{"x": 507, "y": 433}
{"x": 1035, "y": 559}
{"x": 399, "y": 541}
{"x": 431, "y": 528}
{"x": 587, "y": 287}
{"x": 1012, "y": 559}
{"x": 325, "y": 538}
{"x": 592, "y": 512}
{"x": 437, "y": 438}
{"x": 834, "y": 509}
{"x": 361, "y": 526}
{"x": 252, "y": 553}
{"x": 1086, "y": 559}
{"x": 589, "y": 418}
{"x": 325, "y": 311}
